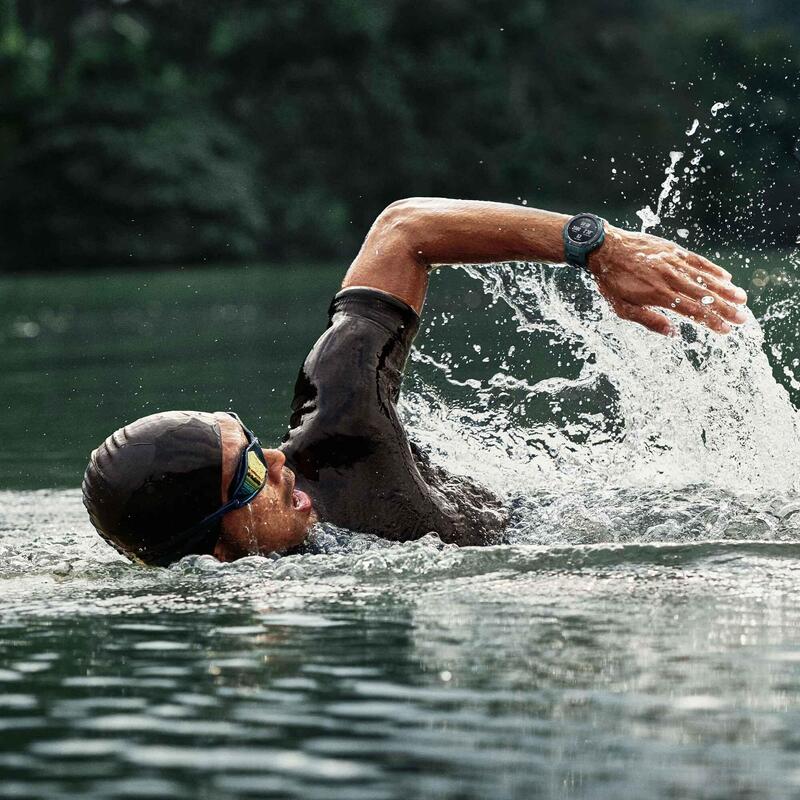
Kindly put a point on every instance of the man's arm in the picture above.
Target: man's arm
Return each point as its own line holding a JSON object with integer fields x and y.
{"x": 634, "y": 271}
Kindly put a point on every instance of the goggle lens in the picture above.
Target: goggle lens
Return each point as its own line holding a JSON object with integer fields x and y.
{"x": 252, "y": 475}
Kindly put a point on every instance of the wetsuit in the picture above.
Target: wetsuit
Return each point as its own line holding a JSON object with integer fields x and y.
{"x": 347, "y": 446}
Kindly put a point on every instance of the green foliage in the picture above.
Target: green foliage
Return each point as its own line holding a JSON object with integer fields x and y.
{"x": 164, "y": 130}
{"x": 127, "y": 175}
{"x": 123, "y": 160}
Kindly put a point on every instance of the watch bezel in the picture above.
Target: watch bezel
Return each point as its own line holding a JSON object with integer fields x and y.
{"x": 596, "y": 239}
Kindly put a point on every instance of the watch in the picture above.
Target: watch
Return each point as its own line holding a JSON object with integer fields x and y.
{"x": 583, "y": 233}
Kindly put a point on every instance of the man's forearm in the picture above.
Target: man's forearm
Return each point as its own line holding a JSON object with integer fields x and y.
{"x": 441, "y": 231}
{"x": 412, "y": 235}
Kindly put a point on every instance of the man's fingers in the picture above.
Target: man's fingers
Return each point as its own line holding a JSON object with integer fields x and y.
{"x": 718, "y": 286}
{"x": 719, "y": 300}
{"x": 724, "y": 289}
{"x": 652, "y": 320}
{"x": 703, "y": 314}
{"x": 704, "y": 265}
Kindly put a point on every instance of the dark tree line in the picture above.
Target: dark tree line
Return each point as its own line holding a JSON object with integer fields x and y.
{"x": 160, "y": 131}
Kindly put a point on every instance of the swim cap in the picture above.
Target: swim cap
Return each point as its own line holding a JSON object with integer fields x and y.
{"x": 154, "y": 479}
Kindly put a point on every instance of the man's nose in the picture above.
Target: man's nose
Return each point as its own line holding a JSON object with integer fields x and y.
{"x": 275, "y": 461}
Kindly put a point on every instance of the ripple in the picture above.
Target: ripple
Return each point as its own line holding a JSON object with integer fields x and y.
{"x": 248, "y": 759}
{"x": 77, "y": 748}
{"x": 13, "y": 701}
{"x": 371, "y": 669}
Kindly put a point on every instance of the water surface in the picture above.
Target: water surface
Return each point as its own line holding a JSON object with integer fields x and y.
{"x": 637, "y": 638}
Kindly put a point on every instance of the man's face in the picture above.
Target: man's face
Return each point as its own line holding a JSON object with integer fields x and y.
{"x": 277, "y": 519}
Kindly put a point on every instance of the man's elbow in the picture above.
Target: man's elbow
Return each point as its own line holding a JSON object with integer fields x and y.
{"x": 405, "y": 212}
{"x": 403, "y": 221}
{"x": 398, "y": 224}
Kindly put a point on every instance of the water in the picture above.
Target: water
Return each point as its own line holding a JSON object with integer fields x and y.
{"x": 397, "y": 671}
{"x": 637, "y": 636}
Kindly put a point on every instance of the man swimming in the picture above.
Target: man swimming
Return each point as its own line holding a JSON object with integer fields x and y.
{"x": 180, "y": 482}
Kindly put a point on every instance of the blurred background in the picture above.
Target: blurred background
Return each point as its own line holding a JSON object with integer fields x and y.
{"x": 171, "y": 131}
{"x": 183, "y": 184}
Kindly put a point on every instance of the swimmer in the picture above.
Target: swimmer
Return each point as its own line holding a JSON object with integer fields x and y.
{"x": 184, "y": 482}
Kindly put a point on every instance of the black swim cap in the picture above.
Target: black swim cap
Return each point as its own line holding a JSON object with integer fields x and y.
{"x": 152, "y": 480}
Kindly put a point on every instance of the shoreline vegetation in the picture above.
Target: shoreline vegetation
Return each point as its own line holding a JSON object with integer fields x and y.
{"x": 135, "y": 133}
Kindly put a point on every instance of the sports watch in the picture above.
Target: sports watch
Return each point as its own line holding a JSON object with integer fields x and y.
{"x": 583, "y": 233}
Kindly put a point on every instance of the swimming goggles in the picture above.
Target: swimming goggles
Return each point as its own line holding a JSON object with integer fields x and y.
{"x": 249, "y": 479}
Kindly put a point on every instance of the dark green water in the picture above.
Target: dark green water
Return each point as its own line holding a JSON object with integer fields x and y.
{"x": 82, "y": 355}
{"x": 637, "y": 640}
{"x": 85, "y": 354}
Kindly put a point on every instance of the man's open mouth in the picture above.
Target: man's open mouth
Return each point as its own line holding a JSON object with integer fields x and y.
{"x": 300, "y": 501}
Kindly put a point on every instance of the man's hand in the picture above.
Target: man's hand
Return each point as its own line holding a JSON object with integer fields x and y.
{"x": 636, "y": 271}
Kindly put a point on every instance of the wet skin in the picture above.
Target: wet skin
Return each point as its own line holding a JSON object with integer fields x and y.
{"x": 279, "y": 517}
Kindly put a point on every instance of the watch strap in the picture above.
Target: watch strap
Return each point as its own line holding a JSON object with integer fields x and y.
{"x": 573, "y": 256}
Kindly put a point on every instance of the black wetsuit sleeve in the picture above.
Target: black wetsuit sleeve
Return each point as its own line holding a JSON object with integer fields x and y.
{"x": 346, "y": 442}
{"x": 398, "y": 322}
{"x": 350, "y": 381}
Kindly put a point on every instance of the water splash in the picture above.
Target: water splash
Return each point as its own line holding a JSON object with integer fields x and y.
{"x": 717, "y": 107}
{"x": 656, "y": 440}
{"x": 645, "y": 438}
{"x": 652, "y": 218}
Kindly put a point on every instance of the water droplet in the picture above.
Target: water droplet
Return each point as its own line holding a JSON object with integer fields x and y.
{"x": 683, "y": 233}
{"x": 648, "y": 217}
{"x": 707, "y": 300}
{"x": 26, "y": 329}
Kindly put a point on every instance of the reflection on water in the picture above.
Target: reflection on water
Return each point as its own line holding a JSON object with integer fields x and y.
{"x": 377, "y": 670}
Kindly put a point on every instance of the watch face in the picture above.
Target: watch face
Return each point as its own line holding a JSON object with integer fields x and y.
{"x": 583, "y": 229}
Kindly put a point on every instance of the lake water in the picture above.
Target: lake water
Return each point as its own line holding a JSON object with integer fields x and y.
{"x": 639, "y": 637}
